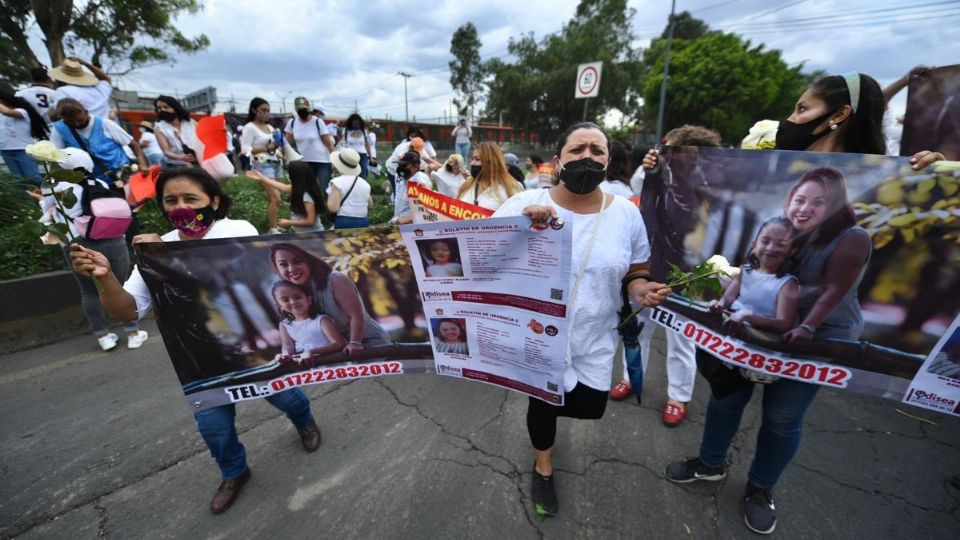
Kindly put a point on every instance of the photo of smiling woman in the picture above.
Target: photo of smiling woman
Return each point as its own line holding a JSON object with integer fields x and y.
{"x": 440, "y": 257}
{"x": 334, "y": 294}
{"x": 450, "y": 335}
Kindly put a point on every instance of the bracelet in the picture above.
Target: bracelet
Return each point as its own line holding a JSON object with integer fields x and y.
{"x": 809, "y": 328}
{"x": 355, "y": 343}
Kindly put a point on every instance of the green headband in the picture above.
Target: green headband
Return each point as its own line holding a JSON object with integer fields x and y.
{"x": 853, "y": 88}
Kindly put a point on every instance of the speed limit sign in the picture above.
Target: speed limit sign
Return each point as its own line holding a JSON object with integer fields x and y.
{"x": 588, "y": 80}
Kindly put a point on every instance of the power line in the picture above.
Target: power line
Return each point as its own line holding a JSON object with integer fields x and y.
{"x": 714, "y": 6}
{"x": 853, "y": 17}
{"x": 847, "y": 25}
{"x": 765, "y": 13}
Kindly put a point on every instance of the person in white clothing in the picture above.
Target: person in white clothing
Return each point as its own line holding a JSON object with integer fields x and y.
{"x": 258, "y": 142}
{"x": 490, "y": 182}
{"x": 193, "y": 202}
{"x": 305, "y": 332}
{"x": 20, "y": 124}
{"x": 618, "y": 172}
{"x": 40, "y": 94}
{"x": 313, "y": 139}
{"x": 305, "y": 196}
{"x": 102, "y": 138}
{"x": 92, "y": 91}
{"x": 148, "y": 142}
{"x": 176, "y": 133}
{"x": 461, "y": 136}
{"x": 348, "y": 195}
{"x": 602, "y": 265}
{"x": 408, "y": 172}
{"x": 364, "y": 142}
{"x": 451, "y": 176}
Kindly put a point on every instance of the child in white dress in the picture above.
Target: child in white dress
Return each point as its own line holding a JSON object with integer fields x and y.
{"x": 442, "y": 261}
{"x": 304, "y": 333}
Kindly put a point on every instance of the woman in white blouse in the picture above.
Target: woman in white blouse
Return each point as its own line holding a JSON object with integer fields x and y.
{"x": 363, "y": 142}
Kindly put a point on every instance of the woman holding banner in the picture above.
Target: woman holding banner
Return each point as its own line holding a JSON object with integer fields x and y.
{"x": 490, "y": 182}
{"x": 836, "y": 114}
{"x": 194, "y": 204}
{"x": 334, "y": 292}
{"x": 597, "y": 276}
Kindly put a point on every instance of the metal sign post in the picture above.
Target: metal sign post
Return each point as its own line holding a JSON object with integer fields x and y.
{"x": 588, "y": 83}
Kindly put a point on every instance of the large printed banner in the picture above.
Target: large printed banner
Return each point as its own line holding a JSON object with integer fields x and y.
{"x": 244, "y": 318}
{"x": 932, "y": 118}
{"x": 429, "y": 206}
{"x": 705, "y": 201}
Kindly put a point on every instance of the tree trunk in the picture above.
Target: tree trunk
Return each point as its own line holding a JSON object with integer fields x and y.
{"x": 53, "y": 18}
{"x": 12, "y": 23}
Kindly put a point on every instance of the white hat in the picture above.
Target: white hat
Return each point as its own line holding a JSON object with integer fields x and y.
{"x": 76, "y": 159}
{"x": 72, "y": 72}
{"x": 347, "y": 161}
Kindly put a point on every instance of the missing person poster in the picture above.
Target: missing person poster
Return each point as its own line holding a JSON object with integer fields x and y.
{"x": 429, "y": 206}
{"x": 494, "y": 295}
{"x": 848, "y": 263}
{"x": 245, "y": 318}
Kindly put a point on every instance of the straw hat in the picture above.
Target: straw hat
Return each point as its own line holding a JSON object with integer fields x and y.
{"x": 347, "y": 161}
{"x": 146, "y": 125}
{"x": 72, "y": 72}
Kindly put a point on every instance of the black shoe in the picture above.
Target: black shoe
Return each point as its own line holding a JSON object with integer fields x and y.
{"x": 310, "y": 437}
{"x": 544, "y": 495}
{"x": 691, "y": 470}
{"x": 759, "y": 512}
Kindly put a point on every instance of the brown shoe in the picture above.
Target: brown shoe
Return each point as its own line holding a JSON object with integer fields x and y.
{"x": 228, "y": 492}
{"x": 310, "y": 437}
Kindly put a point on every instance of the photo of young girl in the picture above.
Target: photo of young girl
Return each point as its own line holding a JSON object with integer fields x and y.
{"x": 304, "y": 333}
{"x": 763, "y": 295}
{"x": 450, "y": 336}
{"x": 441, "y": 257}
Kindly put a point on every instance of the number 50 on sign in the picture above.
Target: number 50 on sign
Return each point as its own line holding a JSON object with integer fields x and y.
{"x": 588, "y": 80}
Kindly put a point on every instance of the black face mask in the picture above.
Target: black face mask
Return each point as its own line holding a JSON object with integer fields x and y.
{"x": 582, "y": 176}
{"x": 303, "y": 114}
{"x": 475, "y": 170}
{"x": 167, "y": 116}
{"x": 448, "y": 167}
{"x": 792, "y": 136}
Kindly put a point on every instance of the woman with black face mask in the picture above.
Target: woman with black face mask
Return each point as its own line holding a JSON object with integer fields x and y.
{"x": 610, "y": 254}
{"x": 176, "y": 132}
{"x": 357, "y": 136}
{"x": 490, "y": 182}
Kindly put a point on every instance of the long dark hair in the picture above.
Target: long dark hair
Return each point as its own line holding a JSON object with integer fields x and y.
{"x": 840, "y": 214}
{"x": 303, "y": 180}
{"x": 319, "y": 270}
{"x": 254, "y": 104}
{"x": 38, "y": 126}
{"x": 459, "y": 323}
{"x": 753, "y": 262}
{"x": 200, "y": 177}
{"x": 174, "y": 104}
{"x": 618, "y": 167}
{"x": 358, "y": 118}
{"x": 862, "y": 133}
{"x": 286, "y": 316}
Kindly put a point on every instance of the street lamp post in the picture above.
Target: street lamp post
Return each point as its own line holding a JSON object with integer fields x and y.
{"x": 406, "y": 103}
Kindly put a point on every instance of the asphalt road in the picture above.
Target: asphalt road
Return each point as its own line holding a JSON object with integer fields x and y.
{"x": 102, "y": 445}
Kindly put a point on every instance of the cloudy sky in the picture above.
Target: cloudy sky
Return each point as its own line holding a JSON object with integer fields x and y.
{"x": 346, "y": 52}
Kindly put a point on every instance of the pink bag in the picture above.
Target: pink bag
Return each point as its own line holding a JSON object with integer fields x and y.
{"x": 104, "y": 214}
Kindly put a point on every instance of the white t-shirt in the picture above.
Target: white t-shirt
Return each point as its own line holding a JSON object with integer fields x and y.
{"x": 317, "y": 225}
{"x": 448, "y": 183}
{"x": 49, "y": 204}
{"x": 307, "y": 134}
{"x": 42, "y": 99}
{"x": 354, "y": 139}
{"x": 15, "y": 132}
{"x": 151, "y": 148}
{"x": 402, "y": 202}
{"x": 308, "y": 334}
{"x": 616, "y": 188}
{"x": 221, "y": 228}
{"x": 254, "y": 136}
{"x": 356, "y": 204}
{"x": 186, "y": 135}
{"x": 462, "y": 133}
{"x": 111, "y": 130}
{"x": 593, "y": 316}
{"x": 402, "y": 149}
{"x": 96, "y": 99}
{"x": 490, "y": 198}
{"x": 636, "y": 181}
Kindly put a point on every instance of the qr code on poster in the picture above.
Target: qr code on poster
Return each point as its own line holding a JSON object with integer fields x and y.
{"x": 556, "y": 294}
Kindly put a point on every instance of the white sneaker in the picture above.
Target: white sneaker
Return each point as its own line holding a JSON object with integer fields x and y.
{"x": 108, "y": 341}
{"x": 275, "y": 230}
{"x": 134, "y": 342}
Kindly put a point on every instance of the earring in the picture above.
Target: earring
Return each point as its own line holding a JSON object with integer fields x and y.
{"x": 834, "y": 126}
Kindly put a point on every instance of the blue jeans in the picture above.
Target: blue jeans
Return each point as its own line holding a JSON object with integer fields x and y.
{"x": 219, "y": 430}
{"x": 364, "y": 165}
{"x": 785, "y": 402}
{"x": 21, "y": 165}
{"x": 464, "y": 151}
{"x": 270, "y": 169}
{"x": 347, "y": 222}
{"x": 115, "y": 250}
{"x": 324, "y": 172}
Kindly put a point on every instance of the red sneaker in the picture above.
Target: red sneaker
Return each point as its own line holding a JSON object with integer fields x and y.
{"x": 621, "y": 391}
{"x": 673, "y": 414}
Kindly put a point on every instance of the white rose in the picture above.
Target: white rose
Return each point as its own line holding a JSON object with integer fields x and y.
{"x": 45, "y": 151}
{"x": 763, "y": 135}
{"x": 720, "y": 264}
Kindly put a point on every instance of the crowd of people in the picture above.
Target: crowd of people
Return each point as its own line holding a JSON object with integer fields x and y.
{"x": 590, "y": 182}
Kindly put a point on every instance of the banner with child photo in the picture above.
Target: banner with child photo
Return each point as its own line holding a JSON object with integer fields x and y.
{"x": 846, "y": 267}
{"x": 244, "y": 318}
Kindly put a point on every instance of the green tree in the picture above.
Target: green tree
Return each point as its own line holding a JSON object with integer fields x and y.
{"x": 119, "y": 35}
{"x": 537, "y": 91}
{"x": 718, "y": 80}
{"x": 466, "y": 70}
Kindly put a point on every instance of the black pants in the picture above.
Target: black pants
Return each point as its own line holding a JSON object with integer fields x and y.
{"x": 582, "y": 402}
